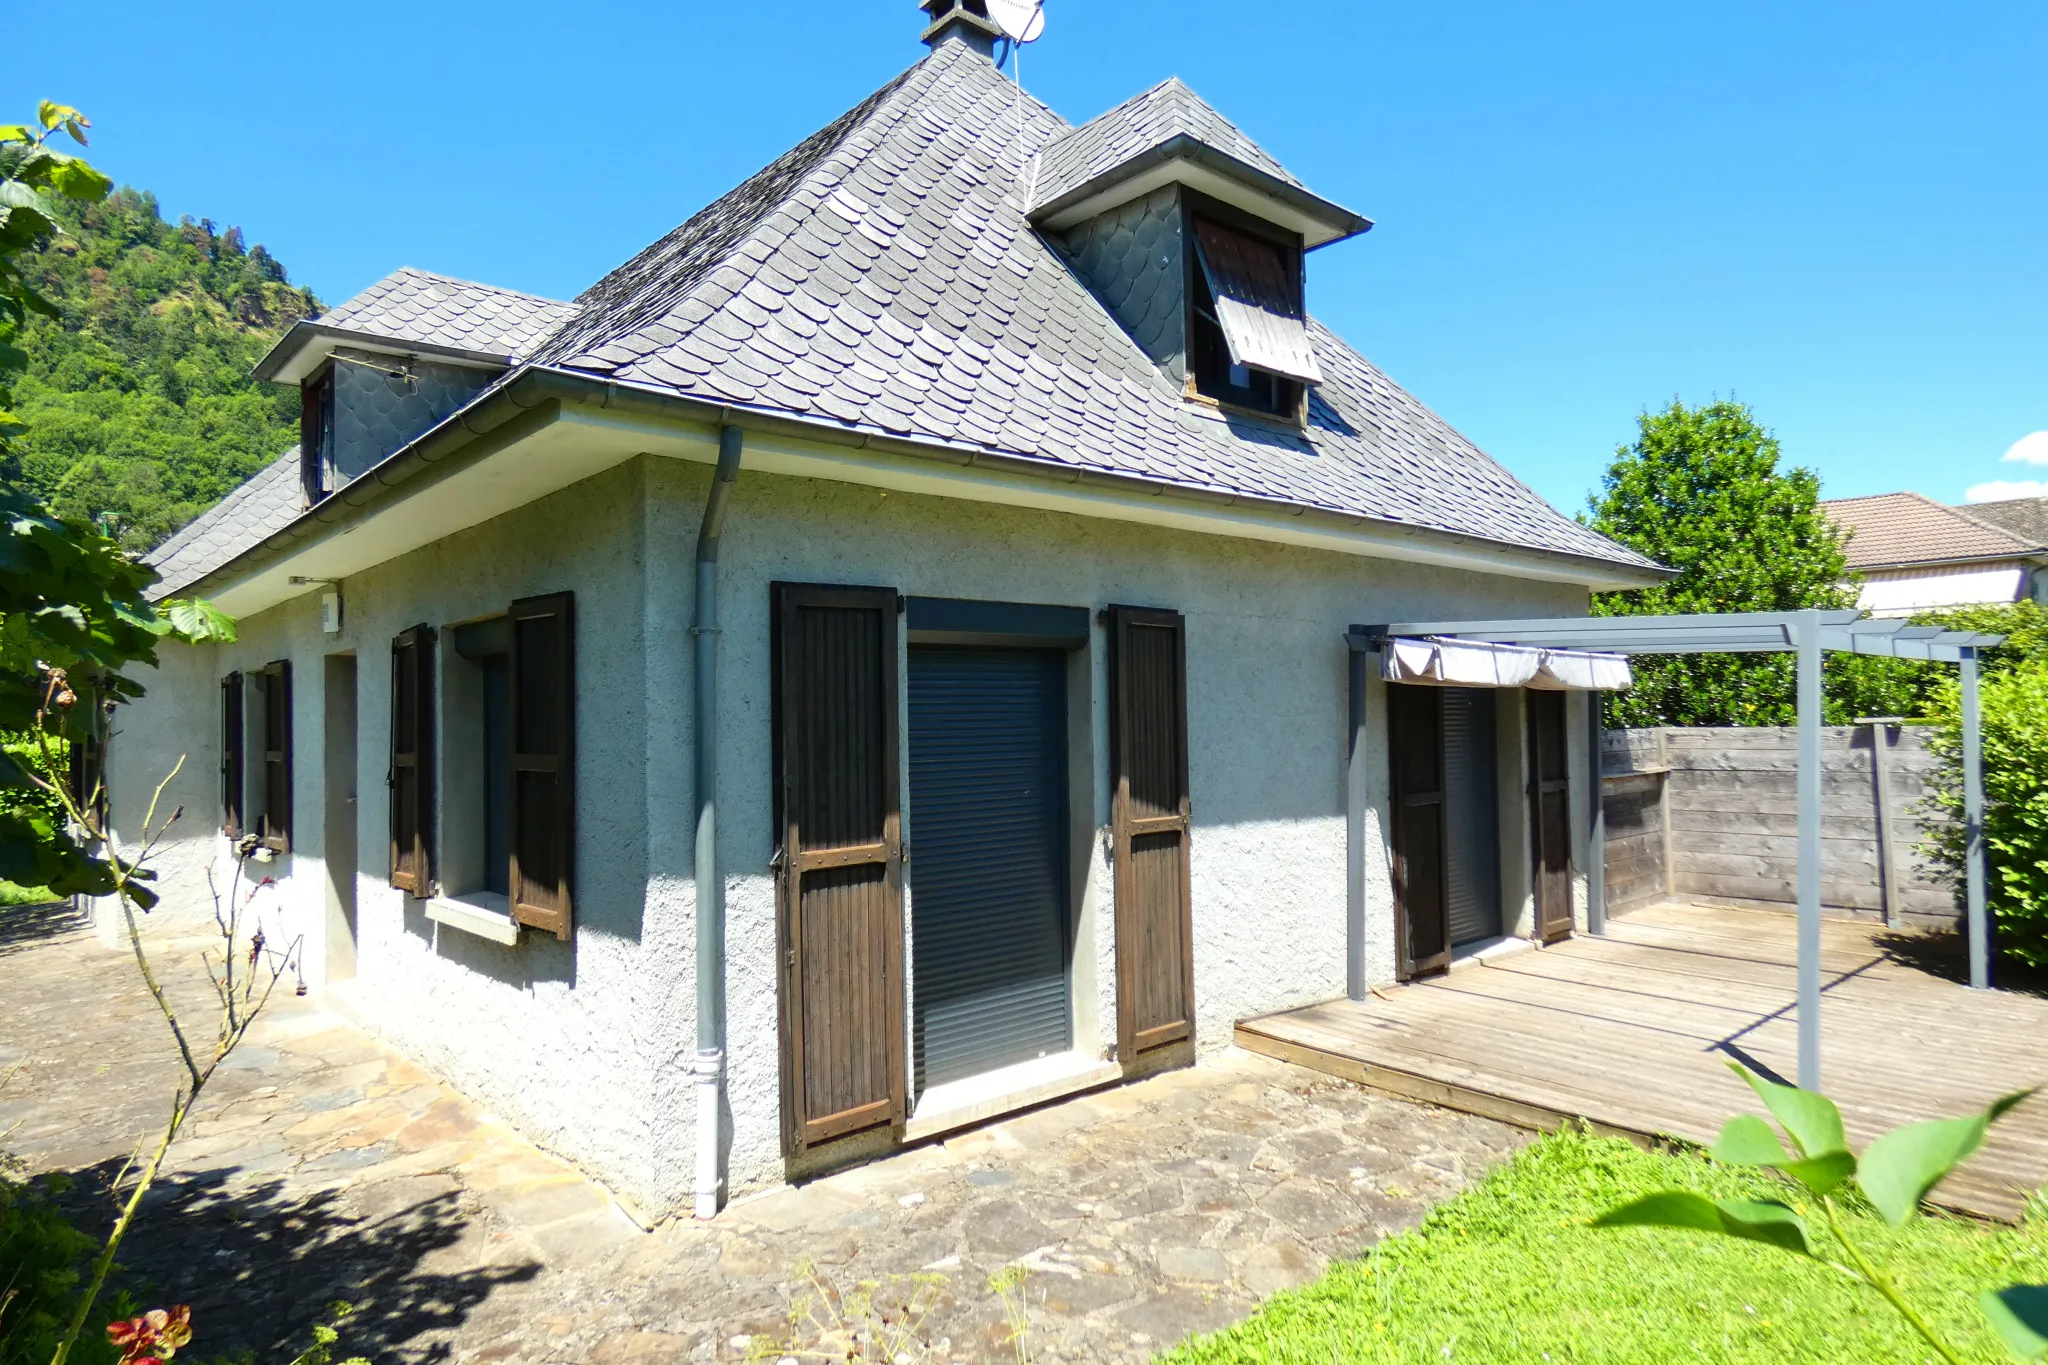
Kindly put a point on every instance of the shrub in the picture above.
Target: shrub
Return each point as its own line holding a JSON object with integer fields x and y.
{"x": 41, "y": 1264}
{"x": 2014, "y": 710}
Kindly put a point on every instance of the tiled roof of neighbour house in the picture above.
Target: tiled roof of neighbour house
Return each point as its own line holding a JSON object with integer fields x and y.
{"x": 434, "y": 310}
{"x": 883, "y": 276}
{"x": 270, "y": 500}
{"x": 1152, "y": 119}
{"x": 2026, "y": 518}
{"x": 1895, "y": 530}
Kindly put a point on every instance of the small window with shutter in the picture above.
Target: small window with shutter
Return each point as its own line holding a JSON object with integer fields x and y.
{"x": 504, "y": 826}
{"x": 316, "y": 435}
{"x": 274, "y": 821}
{"x": 411, "y": 780}
{"x": 231, "y": 755}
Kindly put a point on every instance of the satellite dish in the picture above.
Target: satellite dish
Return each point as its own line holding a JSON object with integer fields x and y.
{"x": 1020, "y": 20}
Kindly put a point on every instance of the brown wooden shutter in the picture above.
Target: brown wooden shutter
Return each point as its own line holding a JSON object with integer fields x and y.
{"x": 277, "y": 755}
{"x": 543, "y": 767}
{"x": 231, "y": 755}
{"x": 1151, "y": 827}
{"x": 1550, "y": 814}
{"x": 1415, "y": 752}
{"x": 411, "y": 780}
{"x": 839, "y": 862}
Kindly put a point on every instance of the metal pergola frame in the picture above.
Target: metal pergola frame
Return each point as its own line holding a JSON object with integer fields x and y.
{"x": 1810, "y": 634}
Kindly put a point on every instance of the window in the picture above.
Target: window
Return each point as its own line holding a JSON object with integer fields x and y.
{"x": 231, "y": 755}
{"x": 316, "y": 434}
{"x": 275, "y": 819}
{"x": 503, "y": 838}
{"x": 1248, "y": 334}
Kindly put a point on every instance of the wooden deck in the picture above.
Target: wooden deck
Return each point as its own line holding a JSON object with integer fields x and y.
{"x": 1632, "y": 1032}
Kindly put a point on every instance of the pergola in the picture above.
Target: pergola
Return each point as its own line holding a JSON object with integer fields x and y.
{"x": 1809, "y": 634}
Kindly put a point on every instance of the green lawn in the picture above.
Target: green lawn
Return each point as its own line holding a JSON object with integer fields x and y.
{"x": 1508, "y": 1272}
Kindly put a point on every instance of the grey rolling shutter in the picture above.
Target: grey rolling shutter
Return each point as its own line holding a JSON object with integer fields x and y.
{"x": 543, "y": 767}
{"x": 987, "y": 875}
{"x": 231, "y": 755}
{"x": 1472, "y": 805}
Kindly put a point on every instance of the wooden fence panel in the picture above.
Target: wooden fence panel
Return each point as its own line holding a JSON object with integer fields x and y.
{"x": 1713, "y": 813}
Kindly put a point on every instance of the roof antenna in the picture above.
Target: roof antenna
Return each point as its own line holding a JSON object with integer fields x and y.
{"x": 1021, "y": 21}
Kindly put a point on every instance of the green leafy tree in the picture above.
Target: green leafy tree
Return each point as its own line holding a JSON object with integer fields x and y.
{"x": 2013, "y": 706}
{"x": 1701, "y": 490}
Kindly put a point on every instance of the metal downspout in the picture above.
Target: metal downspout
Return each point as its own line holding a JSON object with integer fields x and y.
{"x": 709, "y": 1066}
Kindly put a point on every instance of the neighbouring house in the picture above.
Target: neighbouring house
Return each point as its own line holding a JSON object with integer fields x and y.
{"x": 1915, "y": 554}
{"x": 875, "y": 660}
{"x": 2026, "y": 518}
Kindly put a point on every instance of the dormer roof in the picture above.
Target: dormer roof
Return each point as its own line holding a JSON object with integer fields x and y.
{"x": 1170, "y": 134}
{"x": 414, "y": 312}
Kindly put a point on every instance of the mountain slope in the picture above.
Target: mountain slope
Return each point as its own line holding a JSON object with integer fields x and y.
{"x": 138, "y": 400}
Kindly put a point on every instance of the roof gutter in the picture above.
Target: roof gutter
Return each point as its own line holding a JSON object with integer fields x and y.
{"x": 531, "y": 397}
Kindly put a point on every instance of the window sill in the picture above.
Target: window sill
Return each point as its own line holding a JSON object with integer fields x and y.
{"x": 482, "y": 913}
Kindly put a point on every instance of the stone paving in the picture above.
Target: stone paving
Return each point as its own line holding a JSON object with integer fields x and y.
{"x": 321, "y": 1165}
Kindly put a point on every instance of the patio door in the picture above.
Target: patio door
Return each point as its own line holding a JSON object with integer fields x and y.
{"x": 1550, "y": 816}
{"x": 1422, "y": 926}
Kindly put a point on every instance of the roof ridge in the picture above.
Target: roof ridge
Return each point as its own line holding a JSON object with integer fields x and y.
{"x": 811, "y": 154}
{"x": 1992, "y": 526}
{"x": 468, "y": 284}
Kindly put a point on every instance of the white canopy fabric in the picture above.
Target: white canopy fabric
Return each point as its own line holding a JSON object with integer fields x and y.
{"x": 1477, "y": 663}
{"x": 1257, "y": 303}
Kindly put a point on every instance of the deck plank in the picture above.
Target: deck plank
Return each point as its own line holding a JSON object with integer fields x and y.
{"x": 1632, "y": 1033}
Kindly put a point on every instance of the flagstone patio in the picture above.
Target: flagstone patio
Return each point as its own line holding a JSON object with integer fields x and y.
{"x": 323, "y": 1166}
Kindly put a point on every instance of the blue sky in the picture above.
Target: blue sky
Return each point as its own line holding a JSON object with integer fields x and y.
{"x": 1837, "y": 213}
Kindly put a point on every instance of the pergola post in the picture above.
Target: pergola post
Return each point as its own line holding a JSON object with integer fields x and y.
{"x": 1973, "y": 825}
{"x": 1807, "y": 644}
{"x": 1596, "y": 822}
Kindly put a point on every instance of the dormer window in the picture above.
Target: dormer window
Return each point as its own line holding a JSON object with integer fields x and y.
{"x": 1247, "y": 329}
{"x": 316, "y": 434}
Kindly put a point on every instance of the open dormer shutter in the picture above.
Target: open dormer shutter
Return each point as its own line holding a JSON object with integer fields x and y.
{"x": 412, "y": 750}
{"x": 543, "y": 811}
{"x": 1258, "y": 302}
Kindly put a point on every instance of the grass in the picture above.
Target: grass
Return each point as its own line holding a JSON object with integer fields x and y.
{"x": 1508, "y": 1271}
{"x": 10, "y": 894}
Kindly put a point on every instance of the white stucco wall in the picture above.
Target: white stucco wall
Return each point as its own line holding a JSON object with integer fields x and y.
{"x": 584, "y": 1045}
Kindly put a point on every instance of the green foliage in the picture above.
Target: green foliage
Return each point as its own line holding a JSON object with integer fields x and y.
{"x": 2013, "y": 707}
{"x": 72, "y": 617}
{"x": 138, "y": 397}
{"x": 1895, "y": 1173}
{"x": 1700, "y": 490}
{"x": 2020, "y": 1313}
{"x": 1507, "y": 1272}
{"x": 41, "y": 1262}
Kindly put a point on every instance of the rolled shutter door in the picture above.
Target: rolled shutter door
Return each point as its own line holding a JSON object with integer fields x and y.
{"x": 987, "y": 876}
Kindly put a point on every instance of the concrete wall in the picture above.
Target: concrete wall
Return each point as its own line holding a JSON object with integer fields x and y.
{"x": 584, "y": 1045}
{"x": 1713, "y": 814}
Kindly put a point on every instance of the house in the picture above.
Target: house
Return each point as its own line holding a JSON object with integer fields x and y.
{"x": 877, "y": 658}
{"x": 1914, "y": 554}
{"x": 2026, "y": 518}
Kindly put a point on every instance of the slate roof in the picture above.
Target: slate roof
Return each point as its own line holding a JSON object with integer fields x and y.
{"x": 270, "y": 500}
{"x": 435, "y": 310}
{"x": 1896, "y": 530}
{"x": 2026, "y": 518}
{"x": 1152, "y": 119}
{"x": 883, "y": 276}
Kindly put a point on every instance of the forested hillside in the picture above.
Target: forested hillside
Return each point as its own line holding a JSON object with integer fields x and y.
{"x": 138, "y": 400}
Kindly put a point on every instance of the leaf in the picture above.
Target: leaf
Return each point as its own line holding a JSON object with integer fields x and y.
{"x": 2020, "y": 1313}
{"x": 74, "y": 179}
{"x": 16, "y": 132}
{"x": 50, "y": 114}
{"x": 1747, "y": 1140}
{"x": 198, "y": 620}
{"x": 1812, "y": 1120}
{"x": 1765, "y": 1221}
{"x": 1902, "y": 1167}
